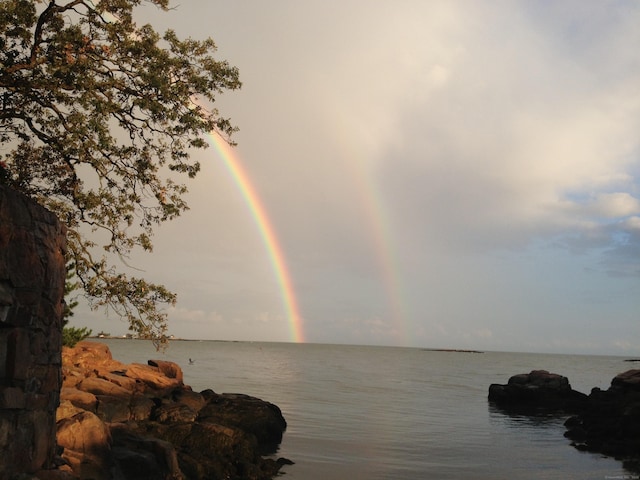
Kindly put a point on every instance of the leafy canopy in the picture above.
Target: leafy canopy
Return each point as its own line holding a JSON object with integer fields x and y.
{"x": 98, "y": 116}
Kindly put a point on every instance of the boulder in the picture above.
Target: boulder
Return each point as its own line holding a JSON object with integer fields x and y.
{"x": 66, "y": 409}
{"x": 610, "y": 423}
{"x": 628, "y": 381}
{"x": 174, "y": 413}
{"x": 252, "y": 415}
{"x": 537, "y": 392}
{"x": 100, "y": 386}
{"x": 168, "y": 369}
{"x": 148, "y": 425}
{"x": 81, "y": 399}
{"x": 605, "y": 422}
{"x": 87, "y": 444}
{"x": 190, "y": 398}
{"x": 152, "y": 377}
{"x": 139, "y": 458}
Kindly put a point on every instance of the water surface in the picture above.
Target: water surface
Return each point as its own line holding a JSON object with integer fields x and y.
{"x": 357, "y": 412}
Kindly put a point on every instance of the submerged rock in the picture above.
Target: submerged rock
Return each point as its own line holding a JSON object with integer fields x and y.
{"x": 140, "y": 422}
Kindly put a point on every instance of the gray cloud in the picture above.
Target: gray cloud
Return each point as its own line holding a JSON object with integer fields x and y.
{"x": 438, "y": 173}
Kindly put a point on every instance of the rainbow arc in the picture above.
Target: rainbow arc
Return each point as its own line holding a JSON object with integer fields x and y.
{"x": 267, "y": 232}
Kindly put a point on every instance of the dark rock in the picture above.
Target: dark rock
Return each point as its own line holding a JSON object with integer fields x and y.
{"x": 137, "y": 458}
{"x": 629, "y": 380}
{"x": 252, "y": 415}
{"x": 537, "y": 392}
{"x": 141, "y": 408}
{"x": 610, "y": 422}
{"x": 190, "y": 398}
{"x": 174, "y": 413}
{"x": 606, "y": 422}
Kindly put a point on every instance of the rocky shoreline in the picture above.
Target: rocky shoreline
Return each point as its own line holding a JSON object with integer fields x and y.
{"x": 605, "y": 421}
{"x": 135, "y": 421}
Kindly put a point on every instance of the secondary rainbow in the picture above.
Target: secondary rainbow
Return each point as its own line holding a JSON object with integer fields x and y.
{"x": 242, "y": 180}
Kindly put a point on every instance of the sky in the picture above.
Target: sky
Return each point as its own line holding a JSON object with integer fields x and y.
{"x": 442, "y": 174}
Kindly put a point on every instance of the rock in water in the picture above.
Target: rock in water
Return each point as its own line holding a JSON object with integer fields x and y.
{"x": 537, "y": 392}
{"x": 610, "y": 423}
{"x": 151, "y": 426}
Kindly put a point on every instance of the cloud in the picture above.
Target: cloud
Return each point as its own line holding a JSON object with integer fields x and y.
{"x": 604, "y": 206}
{"x": 496, "y": 155}
{"x": 438, "y": 174}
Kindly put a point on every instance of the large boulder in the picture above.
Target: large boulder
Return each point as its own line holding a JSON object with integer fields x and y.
{"x": 610, "y": 423}
{"x": 537, "y": 392}
{"x": 86, "y": 441}
{"x": 249, "y": 414}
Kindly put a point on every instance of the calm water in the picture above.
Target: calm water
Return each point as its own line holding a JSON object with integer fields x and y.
{"x": 390, "y": 413}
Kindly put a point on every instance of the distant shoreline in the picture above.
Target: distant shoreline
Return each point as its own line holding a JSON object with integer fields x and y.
{"x": 113, "y": 337}
{"x": 453, "y": 350}
{"x": 172, "y": 339}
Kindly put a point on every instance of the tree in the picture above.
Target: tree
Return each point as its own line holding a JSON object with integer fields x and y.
{"x": 98, "y": 116}
{"x": 72, "y": 335}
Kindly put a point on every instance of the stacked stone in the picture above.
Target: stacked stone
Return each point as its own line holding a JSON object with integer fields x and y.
{"x": 32, "y": 277}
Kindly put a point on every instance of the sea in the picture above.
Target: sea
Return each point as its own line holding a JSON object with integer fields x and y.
{"x": 391, "y": 413}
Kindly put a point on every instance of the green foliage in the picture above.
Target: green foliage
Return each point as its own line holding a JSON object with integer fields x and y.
{"x": 70, "y": 286}
{"x": 73, "y": 335}
{"x": 98, "y": 115}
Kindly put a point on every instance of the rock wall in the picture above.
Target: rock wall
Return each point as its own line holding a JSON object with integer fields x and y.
{"x": 32, "y": 276}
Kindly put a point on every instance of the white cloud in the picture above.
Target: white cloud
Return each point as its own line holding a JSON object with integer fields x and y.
{"x": 432, "y": 136}
{"x": 605, "y": 206}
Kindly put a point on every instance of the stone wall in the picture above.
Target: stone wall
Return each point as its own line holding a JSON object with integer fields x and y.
{"x": 32, "y": 276}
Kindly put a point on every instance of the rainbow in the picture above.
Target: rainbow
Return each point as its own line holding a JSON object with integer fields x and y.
{"x": 378, "y": 218}
{"x": 234, "y": 166}
{"x": 243, "y": 182}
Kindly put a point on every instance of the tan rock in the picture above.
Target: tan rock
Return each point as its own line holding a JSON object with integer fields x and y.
{"x": 87, "y": 444}
{"x": 79, "y": 398}
{"x": 99, "y": 386}
{"x": 84, "y": 432}
{"x": 95, "y": 350}
{"x": 66, "y": 409}
{"x": 91, "y": 356}
{"x": 121, "y": 380}
{"x": 169, "y": 369}
{"x": 72, "y": 376}
{"x": 152, "y": 377}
